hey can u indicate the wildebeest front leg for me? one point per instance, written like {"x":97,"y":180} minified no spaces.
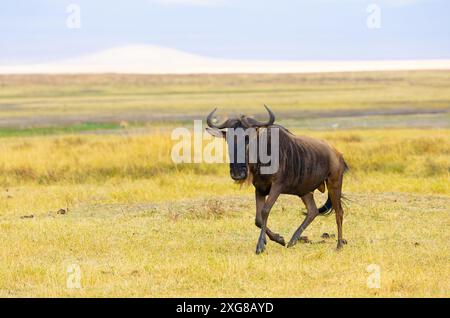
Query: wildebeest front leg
{"x":260,"y":201}
{"x":308,"y":200}
{"x":273,"y":196}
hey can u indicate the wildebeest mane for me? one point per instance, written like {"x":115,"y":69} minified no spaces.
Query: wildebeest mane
{"x":296,"y":156}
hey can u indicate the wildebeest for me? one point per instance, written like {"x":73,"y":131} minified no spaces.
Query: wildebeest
{"x":305,"y":164}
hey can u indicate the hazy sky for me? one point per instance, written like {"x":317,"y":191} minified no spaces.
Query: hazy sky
{"x":36,"y":30}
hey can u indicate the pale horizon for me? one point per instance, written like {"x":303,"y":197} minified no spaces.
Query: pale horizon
{"x":151,"y":59}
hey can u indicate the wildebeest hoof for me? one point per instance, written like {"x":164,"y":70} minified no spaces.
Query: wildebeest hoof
{"x":260,"y":248}
{"x":292,"y":242}
{"x":341,"y":243}
{"x":295,"y":240}
{"x":279,"y":239}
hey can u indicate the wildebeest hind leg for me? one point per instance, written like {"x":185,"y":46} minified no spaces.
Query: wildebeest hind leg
{"x":260,"y":200}
{"x":308,"y":200}
{"x":334,"y":185}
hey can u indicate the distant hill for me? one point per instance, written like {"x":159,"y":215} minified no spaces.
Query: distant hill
{"x":146,"y":59}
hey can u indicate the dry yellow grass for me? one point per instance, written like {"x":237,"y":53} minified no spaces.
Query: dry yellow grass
{"x":138,"y":225}
{"x":58,"y":98}
{"x":115,"y":207}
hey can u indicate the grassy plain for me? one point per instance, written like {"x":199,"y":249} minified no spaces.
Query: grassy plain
{"x":136,"y":224}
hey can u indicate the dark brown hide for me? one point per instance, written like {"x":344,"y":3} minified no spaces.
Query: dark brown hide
{"x":305,"y":164}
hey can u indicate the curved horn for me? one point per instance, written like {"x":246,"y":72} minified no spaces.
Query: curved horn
{"x":227,"y":124}
{"x":250,"y":122}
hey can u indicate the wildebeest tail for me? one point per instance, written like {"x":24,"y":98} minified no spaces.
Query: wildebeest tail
{"x":327,"y":208}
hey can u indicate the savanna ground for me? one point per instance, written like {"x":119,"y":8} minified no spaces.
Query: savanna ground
{"x":87,"y":183}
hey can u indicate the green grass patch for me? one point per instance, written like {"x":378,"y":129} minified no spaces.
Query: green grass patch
{"x":57,"y":130}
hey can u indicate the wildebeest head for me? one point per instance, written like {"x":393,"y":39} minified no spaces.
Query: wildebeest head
{"x":236,"y":133}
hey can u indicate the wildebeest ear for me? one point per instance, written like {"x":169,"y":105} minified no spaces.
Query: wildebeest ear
{"x":215,"y":132}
